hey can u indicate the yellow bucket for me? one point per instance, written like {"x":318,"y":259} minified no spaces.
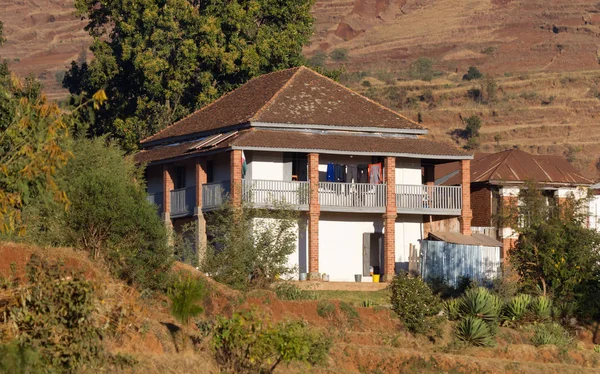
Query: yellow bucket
{"x":375,"y":278}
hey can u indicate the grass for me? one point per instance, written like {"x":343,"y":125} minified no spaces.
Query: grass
{"x":356,"y":298}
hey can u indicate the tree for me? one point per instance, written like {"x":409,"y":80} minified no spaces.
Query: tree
{"x":555,"y":250}
{"x":161,"y":59}
{"x":473,"y":127}
{"x":249,"y":247}
{"x":108,"y":215}
{"x":422,"y":69}
{"x":472,"y":73}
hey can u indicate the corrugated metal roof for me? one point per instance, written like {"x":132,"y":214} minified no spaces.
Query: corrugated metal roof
{"x":515,"y":165}
{"x":458,"y":238}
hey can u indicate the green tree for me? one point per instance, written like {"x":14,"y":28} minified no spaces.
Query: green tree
{"x":472,"y":73}
{"x":250,"y":247}
{"x":555,"y":250}
{"x":422,"y":69}
{"x":160,"y":59}
{"x":109,"y":215}
{"x":473,"y":126}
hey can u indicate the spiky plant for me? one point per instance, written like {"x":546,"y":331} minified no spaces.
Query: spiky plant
{"x":452,"y":309}
{"x":597,"y":348}
{"x":550,"y":333}
{"x":516,"y":308}
{"x":541,"y":306}
{"x":480,"y":303}
{"x":474,"y":331}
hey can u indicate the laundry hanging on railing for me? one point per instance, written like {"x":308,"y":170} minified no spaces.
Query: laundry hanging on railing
{"x":363,"y":173}
{"x":351,"y":174}
{"x":375,"y":173}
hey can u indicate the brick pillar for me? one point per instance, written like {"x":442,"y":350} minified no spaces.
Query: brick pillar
{"x":507,"y":234}
{"x":167,"y":187}
{"x":200,"y":220}
{"x":314,"y":212}
{"x":389,"y":220}
{"x":466,"y":214}
{"x":235,"y":168}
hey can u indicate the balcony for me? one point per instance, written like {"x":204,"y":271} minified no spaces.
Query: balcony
{"x":156,"y":199}
{"x":183,"y":201}
{"x":333,"y":197}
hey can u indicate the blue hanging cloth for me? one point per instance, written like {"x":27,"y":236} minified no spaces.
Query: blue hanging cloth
{"x":330,"y":173}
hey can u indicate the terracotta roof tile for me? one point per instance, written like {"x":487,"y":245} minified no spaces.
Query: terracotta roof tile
{"x":293,"y":96}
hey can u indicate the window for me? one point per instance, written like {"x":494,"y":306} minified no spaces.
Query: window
{"x":299,"y":167}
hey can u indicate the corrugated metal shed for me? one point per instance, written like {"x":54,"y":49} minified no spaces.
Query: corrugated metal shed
{"x":458,"y":238}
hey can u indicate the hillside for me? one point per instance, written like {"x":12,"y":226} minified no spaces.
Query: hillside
{"x":369,"y":340}
{"x":543,"y":55}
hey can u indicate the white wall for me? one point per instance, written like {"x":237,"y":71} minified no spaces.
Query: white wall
{"x":408,"y":231}
{"x":408,"y":171}
{"x":265,"y":165}
{"x":340,"y":243}
{"x":595,"y":213}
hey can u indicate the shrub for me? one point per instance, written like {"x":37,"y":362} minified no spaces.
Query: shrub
{"x":474,"y":331}
{"x":247,"y":343}
{"x":16,"y":358}
{"x":479,"y":302}
{"x":185,"y":294}
{"x":541,"y":306}
{"x":472,"y":73}
{"x":325,"y":309}
{"x":452,"y":309}
{"x":54,"y":316}
{"x":368,"y":303}
{"x":422,"y":69}
{"x":414,"y":303}
{"x":289,"y":291}
{"x":318,"y":59}
{"x":473,"y":126}
{"x":339,"y":54}
{"x":365,"y":83}
{"x":516,"y":308}
{"x":348,"y":310}
{"x":550,"y":333}
{"x":109,"y":215}
{"x":250,"y":247}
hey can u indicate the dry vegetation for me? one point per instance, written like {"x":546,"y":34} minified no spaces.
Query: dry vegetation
{"x":140,"y":327}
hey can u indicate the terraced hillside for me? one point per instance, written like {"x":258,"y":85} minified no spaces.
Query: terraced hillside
{"x":543,"y":55}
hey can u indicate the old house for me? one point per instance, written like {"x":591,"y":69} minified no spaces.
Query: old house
{"x":360,"y":173}
{"x":497,"y":179}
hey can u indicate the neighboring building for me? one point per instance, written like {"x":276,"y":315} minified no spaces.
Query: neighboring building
{"x":359,"y":172}
{"x":594,"y":218}
{"x":497,"y":178}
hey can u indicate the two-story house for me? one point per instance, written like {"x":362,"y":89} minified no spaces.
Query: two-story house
{"x":360,"y":173}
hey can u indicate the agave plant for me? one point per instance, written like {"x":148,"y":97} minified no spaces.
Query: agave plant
{"x":542,"y":307}
{"x":452,"y":309}
{"x":516,"y":308}
{"x":550,"y":333}
{"x":480,"y":303}
{"x":474,"y":331}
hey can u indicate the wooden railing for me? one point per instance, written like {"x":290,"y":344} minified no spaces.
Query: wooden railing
{"x":423,"y":198}
{"x":271,"y":192}
{"x":352,"y":196}
{"x":214,"y":194}
{"x":183,"y":200}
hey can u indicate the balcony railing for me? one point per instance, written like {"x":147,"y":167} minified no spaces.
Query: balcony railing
{"x":333,"y":196}
{"x":183,"y":201}
{"x":156,"y":199}
{"x":428,"y":199}
{"x":352,"y":196}
{"x":214,"y":194}
{"x":261,"y":193}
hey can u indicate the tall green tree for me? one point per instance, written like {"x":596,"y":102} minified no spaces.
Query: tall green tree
{"x":161,"y":59}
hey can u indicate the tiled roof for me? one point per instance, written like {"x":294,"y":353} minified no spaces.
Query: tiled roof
{"x":311,"y":141}
{"x":293,"y":96}
{"x":519,"y":166}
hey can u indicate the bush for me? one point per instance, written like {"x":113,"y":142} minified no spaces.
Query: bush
{"x":516,"y":308}
{"x":250,"y":247}
{"x":108,"y":215}
{"x":479,"y":302}
{"x":289,"y":291}
{"x":54,"y":316}
{"x":246,"y":343}
{"x":318,"y":59}
{"x":185,"y":294}
{"x":550,"y":333}
{"x":472,"y":73}
{"x":325,"y":309}
{"x":473,"y":126}
{"x":474,"y":331}
{"x":452,"y":309}
{"x":422,"y":69}
{"x":414,"y":303}
{"x":348,"y":310}
{"x":339,"y":54}
{"x":541,"y":306}
{"x":16,"y":358}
